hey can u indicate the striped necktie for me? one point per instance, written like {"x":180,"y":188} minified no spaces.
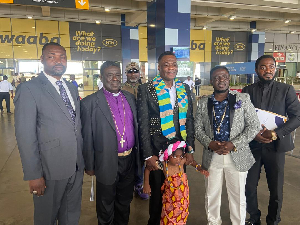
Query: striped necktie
{"x":66,"y":99}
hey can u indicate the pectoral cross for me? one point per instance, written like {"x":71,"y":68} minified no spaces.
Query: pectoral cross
{"x":122,"y":141}
{"x":218,"y":130}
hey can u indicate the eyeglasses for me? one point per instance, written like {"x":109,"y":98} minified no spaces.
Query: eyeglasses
{"x":218,"y":78}
{"x":133,"y":71}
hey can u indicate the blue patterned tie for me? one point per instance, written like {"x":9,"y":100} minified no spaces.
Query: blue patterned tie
{"x":66,"y":99}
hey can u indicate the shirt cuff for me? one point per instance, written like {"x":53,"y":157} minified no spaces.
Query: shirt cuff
{"x":148,"y":158}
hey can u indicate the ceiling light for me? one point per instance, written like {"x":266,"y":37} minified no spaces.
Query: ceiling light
{"x":204,"y":28}
{"x":152,"y":25}
{"x":253,"y":30}
{"x":107,"y":9}
{"x":29,"y":17}
{"x":287,"y":21}
{"x":292,"y":32}
{"x":33,"y":27}
{"x":97,"y":21}
{"x":232,"y":17}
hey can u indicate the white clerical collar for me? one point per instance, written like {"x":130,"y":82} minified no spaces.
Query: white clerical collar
{"x":113,"y":94}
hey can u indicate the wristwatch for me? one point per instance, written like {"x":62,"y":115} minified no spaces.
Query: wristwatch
{"x":274,"y":135}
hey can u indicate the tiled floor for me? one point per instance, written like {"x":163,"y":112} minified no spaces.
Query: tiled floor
{"x":16,"y":206}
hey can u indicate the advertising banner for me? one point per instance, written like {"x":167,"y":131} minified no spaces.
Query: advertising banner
{"x":291,"y":57}
{"x":279,"y":56}
{"x":200,"y":46}
{"x":229,"y":46}
{"x":95,"y":42}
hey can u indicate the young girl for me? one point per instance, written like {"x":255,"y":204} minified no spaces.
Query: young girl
{"x":175,"y":189}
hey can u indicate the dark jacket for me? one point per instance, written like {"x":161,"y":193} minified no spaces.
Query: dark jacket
{"x":284,"y":101}
{"x":100,"y":144}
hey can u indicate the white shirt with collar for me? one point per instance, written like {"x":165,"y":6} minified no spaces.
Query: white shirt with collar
{"x":190,"y":83}
{"x":5,"y":86}
{"x":173,"y":96}
{"x":53,"y":80}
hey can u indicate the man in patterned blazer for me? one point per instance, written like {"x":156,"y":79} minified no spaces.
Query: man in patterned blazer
{"x":165,"y":111}
{"x":225,"y":123}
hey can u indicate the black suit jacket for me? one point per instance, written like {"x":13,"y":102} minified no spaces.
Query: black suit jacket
{"x":151,"y":138}
{"x":284,"y":101}
{"x":100,"y":148}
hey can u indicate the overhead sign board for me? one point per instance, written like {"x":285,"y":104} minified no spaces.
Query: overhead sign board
{"x":241,"y":68}
{"x":6,"y":1}
{"x":79,"y":4}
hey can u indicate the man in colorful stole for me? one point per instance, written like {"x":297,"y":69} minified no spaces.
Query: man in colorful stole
{"x":165,"y":111}
{"x":225,"y":123}
{"x":110,"y":145}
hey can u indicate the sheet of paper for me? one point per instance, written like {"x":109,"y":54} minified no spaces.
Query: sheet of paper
{"x":269,"y":119}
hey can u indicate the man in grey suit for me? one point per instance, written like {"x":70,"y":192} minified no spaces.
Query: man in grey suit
{"x":48,"y":132}
{"x":111,"y":147}
{"x":225,"y":123}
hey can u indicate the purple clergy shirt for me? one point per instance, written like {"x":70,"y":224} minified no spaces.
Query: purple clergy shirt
{"x":116,"y":105}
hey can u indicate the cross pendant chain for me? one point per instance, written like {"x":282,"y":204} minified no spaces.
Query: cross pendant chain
{"x":222,"y":118}
{"x":122,"y":141}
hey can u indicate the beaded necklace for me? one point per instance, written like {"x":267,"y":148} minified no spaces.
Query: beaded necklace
{"x":180,"y":175}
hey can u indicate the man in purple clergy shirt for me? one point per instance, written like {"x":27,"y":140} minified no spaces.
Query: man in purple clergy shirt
{"x":110,"y":145}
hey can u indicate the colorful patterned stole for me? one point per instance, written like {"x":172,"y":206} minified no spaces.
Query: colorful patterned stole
{"x":165,"y":107}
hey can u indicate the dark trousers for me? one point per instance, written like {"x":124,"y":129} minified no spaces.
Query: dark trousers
{"x":61,"y":202}
{"x":5,"y":95}
{"x":197,"y":90}
{"x":113,"y":201}
{"x":156,"y":180}
{"x":274,"y":167}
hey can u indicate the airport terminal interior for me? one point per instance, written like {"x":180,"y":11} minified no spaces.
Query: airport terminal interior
{"x":201,"y":33}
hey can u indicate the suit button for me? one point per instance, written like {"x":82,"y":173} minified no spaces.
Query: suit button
{"x":76,"y":130}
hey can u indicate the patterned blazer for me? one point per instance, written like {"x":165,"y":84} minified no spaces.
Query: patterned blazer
{"x":244,"y":125}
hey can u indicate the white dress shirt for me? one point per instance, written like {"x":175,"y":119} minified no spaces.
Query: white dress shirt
{"x":53,"y":80}
{"x":173,"y":96}
{"x":5,"y":86}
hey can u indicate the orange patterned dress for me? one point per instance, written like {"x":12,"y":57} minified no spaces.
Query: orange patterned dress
{"x":175,"y":200}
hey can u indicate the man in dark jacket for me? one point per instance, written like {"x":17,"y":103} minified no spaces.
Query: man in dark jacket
{"x":269,"y":146}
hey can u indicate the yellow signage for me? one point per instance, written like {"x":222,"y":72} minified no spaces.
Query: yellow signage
{"x":21,"y":38}
{"x":200,"y":45}
{"x":6,"y":1}
{"x":82,"y":4}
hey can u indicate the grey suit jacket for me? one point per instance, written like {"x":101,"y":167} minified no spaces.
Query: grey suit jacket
{"x":100,"y":140}
{"x":50,"y":145}
{"x":244,"y":125}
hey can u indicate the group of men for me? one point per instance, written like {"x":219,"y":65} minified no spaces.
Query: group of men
{"x":112,"y":132}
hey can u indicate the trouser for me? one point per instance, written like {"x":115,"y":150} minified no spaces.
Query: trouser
{"x":235,"y":184}
{"x":60,"y":203}
{"x":156,"y":180}
{"x":274,"y":166}
{"x":6,"y":97}
{"x":113,"y":201}
{"x":139,"y":178}
{"x":197,"y":90}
